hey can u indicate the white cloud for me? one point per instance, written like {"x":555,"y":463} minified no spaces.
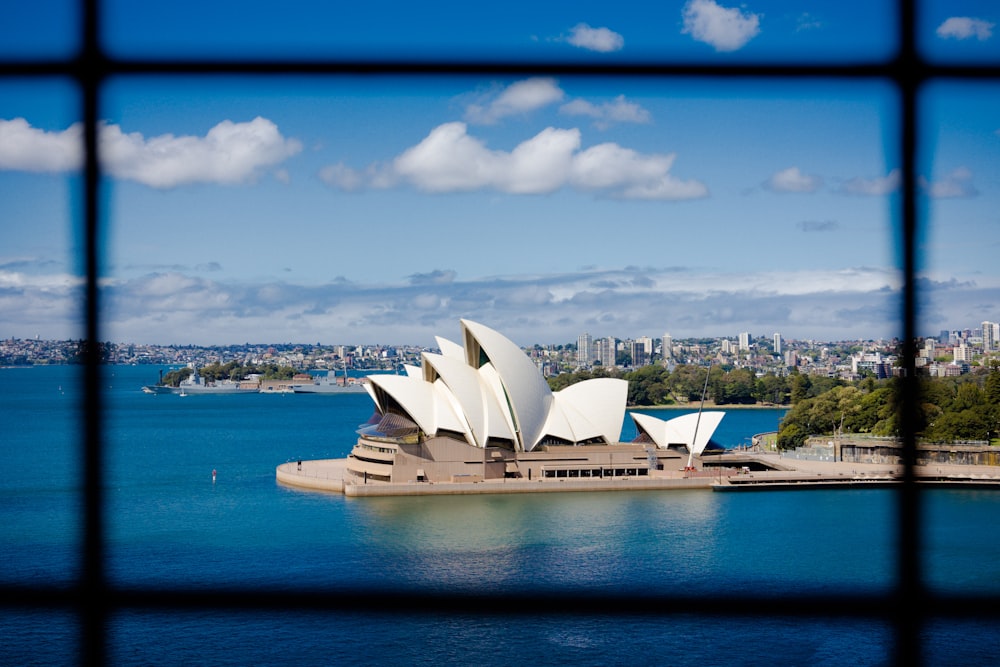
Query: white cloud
{"x":25,"y":148}
{"x":450,"y":160}
{"x":229,"y":153}
{"x":630,"y":175}
{"x":793,"y":180}
{"x":964,"y":27}
{"x":605,"y":114}
{"x":955,"y":185}
{"x":725,"y":29}
{"x":519,"y":97}
{"x":596,"y":39}
{"x":874,"y":186}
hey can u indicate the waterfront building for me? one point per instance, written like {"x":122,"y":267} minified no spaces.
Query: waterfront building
{"x":482,"y":411}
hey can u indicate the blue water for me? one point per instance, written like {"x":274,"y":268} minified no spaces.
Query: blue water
{"x":169,"y":525}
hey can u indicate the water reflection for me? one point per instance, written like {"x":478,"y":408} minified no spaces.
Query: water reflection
{"x":591,"y":540}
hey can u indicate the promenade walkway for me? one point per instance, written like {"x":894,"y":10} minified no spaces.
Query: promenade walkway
{"x":331,"y":475}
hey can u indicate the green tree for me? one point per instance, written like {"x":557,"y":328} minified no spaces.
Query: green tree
{"x":991,"y":386}
{"x":646,"y":385}
{"x":772,"y":389}
{"x":686,"y":382}
{"x":799,"y":386}
{"x":735,"y":387}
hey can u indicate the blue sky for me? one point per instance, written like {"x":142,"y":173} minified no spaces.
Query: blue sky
{"x":341,"y":210}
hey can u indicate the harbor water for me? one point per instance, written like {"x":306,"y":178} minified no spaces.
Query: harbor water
{"x":171,"y":524}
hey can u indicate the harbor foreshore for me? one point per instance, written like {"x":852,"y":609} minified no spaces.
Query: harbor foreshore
{"x":742,"y":471}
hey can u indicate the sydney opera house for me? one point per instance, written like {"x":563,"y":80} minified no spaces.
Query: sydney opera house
{"x":482,"y":411}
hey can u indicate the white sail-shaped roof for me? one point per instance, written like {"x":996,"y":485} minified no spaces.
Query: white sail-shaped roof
{"x":680,"y":430}
{"x":601,"y":401}
{"x":490,"y":390}
{"x":527,"y":392}
{"x":469,"y":391}
{"x":450,"y":349}
{"x":411,"y":393}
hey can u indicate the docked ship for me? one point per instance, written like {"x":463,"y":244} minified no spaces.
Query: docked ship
{"x":330,"y":384}
{"x":195,"y":384}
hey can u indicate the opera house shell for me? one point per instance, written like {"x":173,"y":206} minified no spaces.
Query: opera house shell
{"x":482,"y":410}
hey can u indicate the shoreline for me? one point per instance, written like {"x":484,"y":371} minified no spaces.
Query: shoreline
{"x":710,"y":406}
{"x":729,"y":472}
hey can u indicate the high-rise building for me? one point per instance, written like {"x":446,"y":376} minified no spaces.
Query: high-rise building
{"x":744,"y":341}
{"x":991,"y":335}
{"x":638,"y":350}
{"x":777,"y":343}
{"x":584,"y":350}
{"x":668,"y":347}
{"x":606,"y":350}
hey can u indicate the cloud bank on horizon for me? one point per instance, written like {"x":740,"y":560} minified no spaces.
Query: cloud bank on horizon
{"x":535,"y":142}
{"x":178,"y":307}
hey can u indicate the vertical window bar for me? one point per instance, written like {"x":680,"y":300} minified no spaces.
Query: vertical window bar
{"x":909,"y":73}
{"x":92,"y":603}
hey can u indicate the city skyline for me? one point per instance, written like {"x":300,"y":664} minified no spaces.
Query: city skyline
{"x":384,"y":210}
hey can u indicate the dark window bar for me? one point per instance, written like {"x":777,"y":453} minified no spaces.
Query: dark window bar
{"x":93,"y":599}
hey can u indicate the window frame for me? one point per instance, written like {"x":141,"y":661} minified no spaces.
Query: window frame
{"x":907,"y":608}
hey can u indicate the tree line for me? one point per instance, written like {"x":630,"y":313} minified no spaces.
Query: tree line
{"x":655,"y":385}
{"x":950,"y":409}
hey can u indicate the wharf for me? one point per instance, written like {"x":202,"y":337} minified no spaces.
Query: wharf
{"x":728,"y":472}
{"x":331,"y":475}
{"x":772,"y":471}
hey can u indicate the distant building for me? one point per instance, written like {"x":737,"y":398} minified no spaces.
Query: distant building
{"x":991,"y":335}
{"x":606,"y":350}
{"x":584,"y":350}
{"x":668,"y":347}
{"x":777,"y":343}
{"x":638,"y":351}
{"x":745,"y":341}
{"x":872,"y":362}
{"x":963,"y":353}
